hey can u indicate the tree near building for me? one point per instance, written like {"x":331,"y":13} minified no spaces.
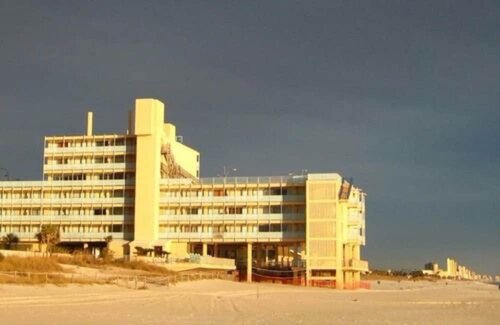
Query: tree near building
{"x":49,"y":236}
{"x":10,"y":240}
{"x":107,"y":253}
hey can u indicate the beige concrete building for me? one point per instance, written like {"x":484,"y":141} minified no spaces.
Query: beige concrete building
{"x":453,"y":271}
{"x":143,"y":188}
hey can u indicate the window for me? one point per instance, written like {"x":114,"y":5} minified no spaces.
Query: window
{"x":218,"y":192}
{"x":275,"y":228}
{"x":234,"y":210}
{"x":263,"y":228}
{"x":275,"y":209}
{"x":116,"y":228}
{"x":276,"y":191}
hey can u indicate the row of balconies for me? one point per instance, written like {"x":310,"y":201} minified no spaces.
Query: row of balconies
{"x":75,"y":200}
{"x":163,"y":218}
{"x":75,"y":236}
{"x":234,"y":199}
{"x":233,"y":236}
{"x":355,"y":219}
{"x":235,"y":217}
{"x":260,"y":180}
{"x":94,"y":149}
{"x":88,"y":167}
{"x":278,"y":217}
{"x":47,"y":185}
{"x":356,"y":265}
{"x":66,"y":218}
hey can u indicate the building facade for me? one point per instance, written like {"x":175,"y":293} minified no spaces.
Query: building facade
{"x":143,"y":189}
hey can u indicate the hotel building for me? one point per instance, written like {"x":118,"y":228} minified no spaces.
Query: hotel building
{"x":143,"y":188}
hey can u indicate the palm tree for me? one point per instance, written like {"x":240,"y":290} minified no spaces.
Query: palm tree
{"x":106,"y":253}
{"x":10,"y":240}
{"x":48,"y":235}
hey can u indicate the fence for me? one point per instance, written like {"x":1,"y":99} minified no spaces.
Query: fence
{"x":133,"y":282}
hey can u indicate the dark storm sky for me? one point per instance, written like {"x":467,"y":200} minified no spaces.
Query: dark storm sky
{"x":401,"y":95}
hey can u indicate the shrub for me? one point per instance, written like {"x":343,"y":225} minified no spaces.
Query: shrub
{"x":29,"y":264}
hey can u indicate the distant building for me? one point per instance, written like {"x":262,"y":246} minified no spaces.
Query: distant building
{"x":453,"y":271}
{"x":144,"y":189}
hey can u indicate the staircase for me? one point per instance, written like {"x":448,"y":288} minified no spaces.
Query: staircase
{"x":169,"y":167}
{"x":345,"y":189}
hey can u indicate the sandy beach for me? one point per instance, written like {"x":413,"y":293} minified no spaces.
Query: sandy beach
{"x":225,"y":302}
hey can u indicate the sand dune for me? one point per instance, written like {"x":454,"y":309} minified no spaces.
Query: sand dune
{"x":224,"y":302}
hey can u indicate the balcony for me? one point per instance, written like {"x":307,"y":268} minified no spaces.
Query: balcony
{"x":357,"y":265}
{"x":355,"y":219}
{"x":108,"y":149}
{"x":67,"y":201}
{"x":233,"y":236}
{"x":65,"y":218}
{"x":88,"y":167}
{"x":285,"y":180}
{"x":74,"y":236}
{"x":233,"y":199}
{"x":91,"y":236}
{"x":280,"y":217}
{"x":96,"y":182}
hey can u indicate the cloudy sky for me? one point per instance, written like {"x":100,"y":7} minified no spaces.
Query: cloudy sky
{"x":402,"y":96}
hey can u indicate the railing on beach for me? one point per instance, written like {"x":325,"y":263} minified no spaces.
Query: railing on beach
{"x":132,"y":282}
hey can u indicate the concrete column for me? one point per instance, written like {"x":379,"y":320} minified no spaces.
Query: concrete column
{"x":356,"y":255}
{"x":295,"y":260}
{"x":339,"y":281}
{"x":216,"y":250}
{"x":266,"y":248}
{"x":356,"y":252}
{"x":249,"y":262}
{"x":205,"y":249}
{"x":356,"y":279}
{"x":259,"y":255}
{"x":276,"y":261}
{"x":348,"y":280}
{"x":348,"y":253}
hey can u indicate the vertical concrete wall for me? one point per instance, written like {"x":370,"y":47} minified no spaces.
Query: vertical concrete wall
{"x":185,"y":156}
{"x":148,"y":127}
{"x":323,"y":246}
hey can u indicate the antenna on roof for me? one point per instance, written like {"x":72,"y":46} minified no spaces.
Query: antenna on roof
{"x":90,"y":123}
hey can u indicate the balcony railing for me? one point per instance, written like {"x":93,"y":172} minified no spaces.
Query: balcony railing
{"x":115,"y":149}
{"x":355,"y":218}
{"x":232,"y":236}
{"x":91,"y":236}
{"x":233,"y":199}
{"x":36,"y":185}
{"x":235,"y":217}
{"x":73,"y":236}
{"x":66,"y":218}
{"x":74,"y":200}
{"x":94,"y":166}
{"x":359,"y":265}
{"x":97,"y":182}
{"x":285,"y":180}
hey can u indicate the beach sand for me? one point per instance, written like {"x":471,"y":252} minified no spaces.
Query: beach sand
{"x":225,"y":302}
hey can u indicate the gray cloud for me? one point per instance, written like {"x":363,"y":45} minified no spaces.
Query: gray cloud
{"x":402,"y":96}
